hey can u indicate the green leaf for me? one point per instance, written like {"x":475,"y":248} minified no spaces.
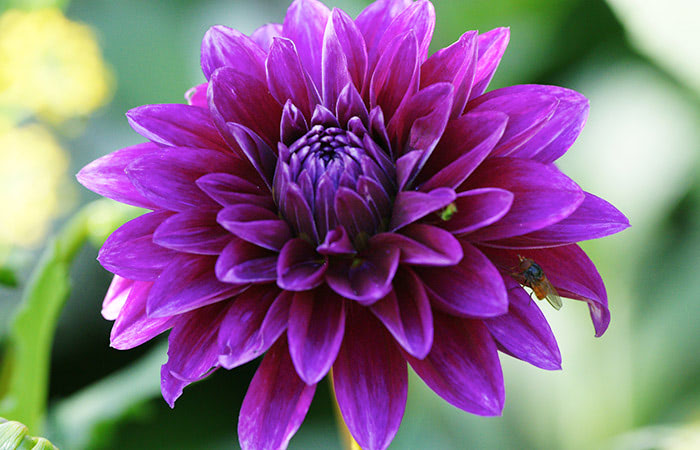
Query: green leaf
{"x":7,"y":277}
{"x":13,"y":436}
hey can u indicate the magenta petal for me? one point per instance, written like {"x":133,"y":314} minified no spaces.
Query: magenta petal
{"x":595,"y":218}
{"x":406,"y":313}
{"x":130,"y":251}
{"x":396,"y":74}
{"x":255,"y":320}
{"x":187,"y":283}
{"x":133,"y":327}
{"x":542,"y":196}
{"x":374,"y":20}
{"x":276,"y":402}
{"x":223,"y":46}
{"x":419,"y":18}
{"x":264,"y":35}
{"x":407,"y":167}
{"x":528,"y":113}
{"x":491,"y":47}
{"x":176,"y":125}
{"x":227,"y":190}
{"x":410,"y":206}
{"x":571,"y":273}
{"x":316,"y":327}
{"x":192,"y":350}
{"x":524,"y":332}
{"x":197,"y":95}
{"x":423,"y":245}
{"x":367,"y":277}
{"x":258,"y":152}
{"x":242,"y":262}
{"x":305,"y":24}
{"x":334,"y":66}
{"x":193,"y":231}
{"x":116,"y":296}
{"x":256,"y":225}
{"x":466,"y":142}
{"x":371,"y":382}
{"x":478,"y":208}
{"x":353,"y":212}
{"x":560,"y":132}
{"x":455,"y":64}
{"x":463,"y":367}
{"x":168,"y":177}
{"x":107,"y":176}
{"x":352,"y":45}
{"x":287,"y":79}
{"x":299,"y":267}
{"x":336,"y":242}
{"x":472,"y":288}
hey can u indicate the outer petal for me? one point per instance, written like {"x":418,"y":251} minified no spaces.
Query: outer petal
{"x":223,"y":46}
{"x":259,"y":154}
{"x":491,"y":47}
{"x":197,"y":95}
{"x":243,"y":262}
{"x":352,"y":45}
{"x":316,"y":327}
{"x":410,"y":206}
{"x":116,"y":296}
{"x":524,"y":332}
{"x":288,"y":79}
{"x":370,"y":381}
{"x":396,"y":75}
{"x":193,"y":231}
{"x":276,"y":403}
{"x":299,"y":267}
{"x":227,"y":189}
{"x":176,"y":125}
{"x":570,"y":271}
{"x":418,"y":18}
{"x":463,"y":367}
{"x":131,"y":252}
{"x":305,"y":24}
{"x":107,"y":176}
{"x":422,"y":245}
{"x":542,"y":196}
{"x":187,"y":283}
{"x":256,"y":225}
{"x":406,"y":313}
{"x":478,"y":208}
{"x":472,"y":288}
{"x":374,"y":20}
{"x":264,"y":35}
{"x":255,"y":320}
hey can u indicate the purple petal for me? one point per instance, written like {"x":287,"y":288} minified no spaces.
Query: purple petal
{"x":264,"y":35}
{"x":423,"y":245}
{"x":258,"y":152}
{"x":352,"y":45}
{"x":305,"y":24}
{"x":292,"y":125}
{"x":396,"y":75}
{"x":287,"y":78}
{"x":197,"y":95}
{"x":419,"y":18}
{"x":410,"y":206}
{"x":349,"y":105}
{"x":371,"y":382}
{"x":187,"y":283}
{"x":472,"y":288}
{"x":256,"y":225}
{"x":116,"y":296}
{"x":223,"y":46}
{"x":106,"y":176}
{"x":462,"y":366}
{"x":130,"y":251}
{"x":241,"y":262}
{"x":491,"y":47}
{"x":455,"y":64}
{"x":367,"y":277}
{"x":193,"y":231}
{"x":406,"y":167}
{"x":336,"y":242}
{"x":335,"y":74}
{"x":570,"y":271}
{"x":466,"y":142}
{"x":524,"y":332}
{"x":133,"y":327}
{"x":243,"y":99}
{"x":353,"y":212}
{"x":299,"y":267}
{"x":276,"y":402}
{"x":255,"y":320}
{"x":595,"y":218}
{"x":478,"y":208}
{"x":168,"y":178}
{"x":542,"y":196}
{"x":297,"y":211}
{"x":192,"y":350}
{"x":374,"y":20}
{"x":316,"y":327}
{"x":555,"y":138}
{"x":227,"y":189}
{"x":176,"y":125}
{"x":406,"y":313}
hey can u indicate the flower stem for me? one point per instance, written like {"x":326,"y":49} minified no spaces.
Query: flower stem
{"x":348,"y":442}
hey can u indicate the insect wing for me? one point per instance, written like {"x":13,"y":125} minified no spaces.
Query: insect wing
{"x":551,"y":294}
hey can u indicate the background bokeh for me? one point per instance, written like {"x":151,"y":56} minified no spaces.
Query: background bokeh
{"x":69,"y":70}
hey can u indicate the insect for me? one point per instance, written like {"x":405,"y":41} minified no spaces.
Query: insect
{"x":530,"y":274}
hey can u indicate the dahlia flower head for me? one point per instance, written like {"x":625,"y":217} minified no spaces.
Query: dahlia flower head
{"x":334,"y":197}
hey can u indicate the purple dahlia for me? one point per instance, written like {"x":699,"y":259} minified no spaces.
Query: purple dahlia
{"x":335,"y":198}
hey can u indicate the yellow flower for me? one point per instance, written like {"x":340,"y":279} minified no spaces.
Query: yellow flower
{"x":51,"y":66}
{"x":32,"y":183}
